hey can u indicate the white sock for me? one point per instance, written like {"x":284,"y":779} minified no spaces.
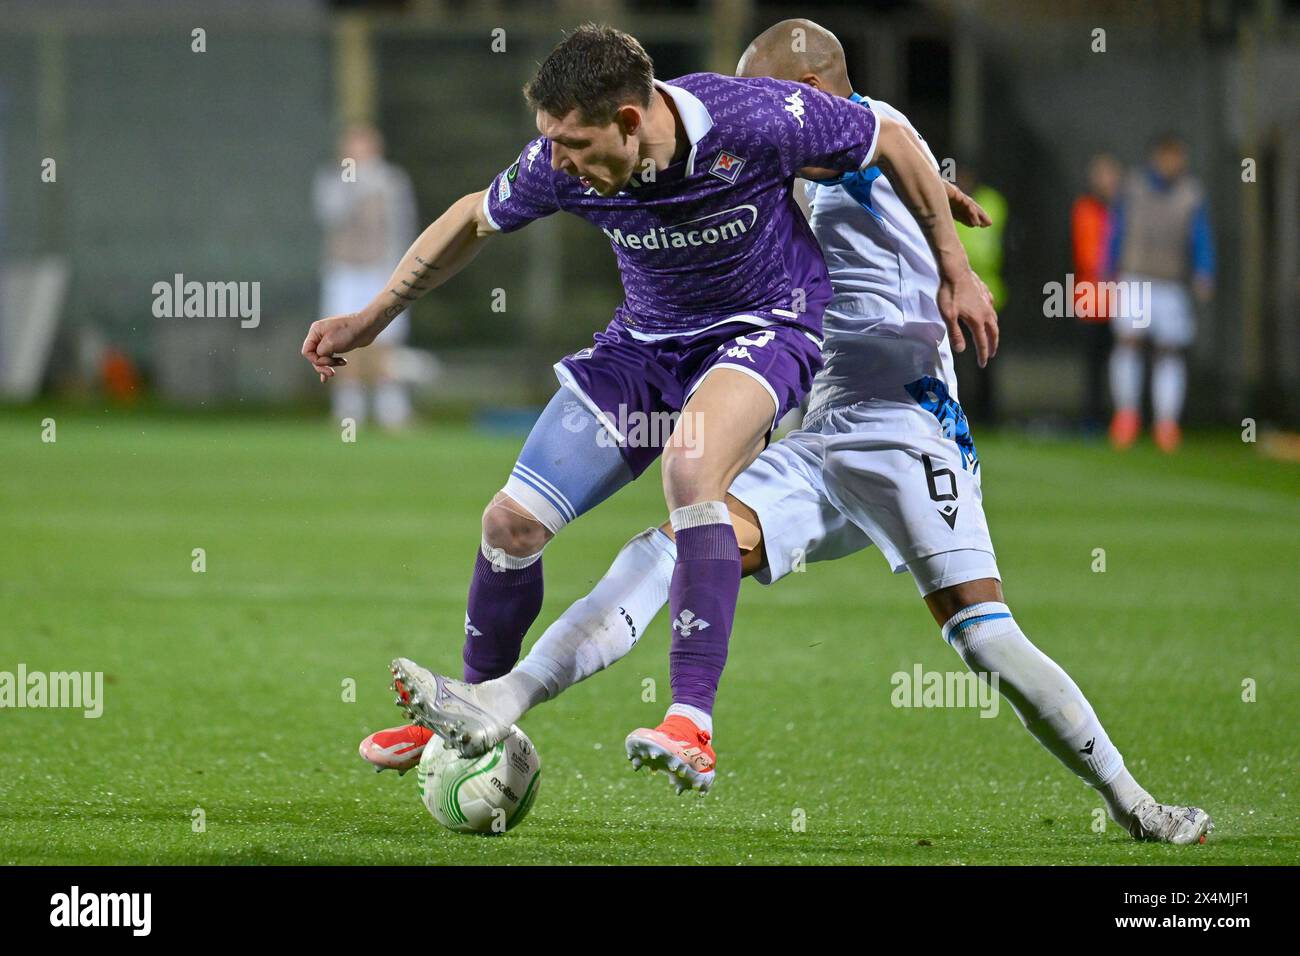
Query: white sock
{"x":511,"y":695}
{"x":696,"y":716}
{"x":348,"y":400}
{"x":1046,"y":700}
{"x":1168,"y":387}
{"x":392,"y":404}
{"x":595,"y":631}
{"x":1126,"y":376}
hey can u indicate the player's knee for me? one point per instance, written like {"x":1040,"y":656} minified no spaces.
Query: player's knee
{"x":688,"y":478}
{"x":509,"y":526}
{"x":945,"y":603}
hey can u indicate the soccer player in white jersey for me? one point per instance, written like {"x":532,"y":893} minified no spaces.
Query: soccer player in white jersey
{"x":884,"y":457}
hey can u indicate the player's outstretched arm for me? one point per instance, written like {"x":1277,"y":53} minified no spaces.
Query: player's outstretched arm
{"x":917,"y":182}
{"x":441,"y":251}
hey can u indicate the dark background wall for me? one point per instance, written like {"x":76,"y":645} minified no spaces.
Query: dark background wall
{"x":171,"y":161}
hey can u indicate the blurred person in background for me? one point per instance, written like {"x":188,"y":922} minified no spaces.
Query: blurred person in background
{"x":1089,"y":239}
{"x":1160,"y":234}
{"x":368,"y":220}
{"x":985,"y":248}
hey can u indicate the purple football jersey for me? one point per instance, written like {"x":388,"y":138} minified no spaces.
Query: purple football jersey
{"x":717,"y":236}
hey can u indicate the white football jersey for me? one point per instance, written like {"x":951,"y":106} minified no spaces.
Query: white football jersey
{"x":883,"y":329}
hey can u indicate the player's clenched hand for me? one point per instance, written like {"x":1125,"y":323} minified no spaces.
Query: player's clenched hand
{"x":328,"y":337}
{"x":966,"y":210}
{"x":966,"y":300}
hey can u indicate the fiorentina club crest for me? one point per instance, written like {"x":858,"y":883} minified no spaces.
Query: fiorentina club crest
{"x":726,"y":167}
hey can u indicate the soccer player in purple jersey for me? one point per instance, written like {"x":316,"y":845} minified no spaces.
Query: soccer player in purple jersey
{"x":725,"y":289}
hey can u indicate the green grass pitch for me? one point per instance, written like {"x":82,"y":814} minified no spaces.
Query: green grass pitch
{"x":225,"y":689}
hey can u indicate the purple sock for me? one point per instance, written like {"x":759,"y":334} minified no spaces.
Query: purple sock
{"x":503,"y":603}
{"x":702,"y":596}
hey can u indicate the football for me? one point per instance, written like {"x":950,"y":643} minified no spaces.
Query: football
{"x":487,"y":794}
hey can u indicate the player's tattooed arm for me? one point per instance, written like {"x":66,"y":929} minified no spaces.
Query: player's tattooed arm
{"x":961,"y":299}
{"x":442,"y":250}
{"x":446,"y":247}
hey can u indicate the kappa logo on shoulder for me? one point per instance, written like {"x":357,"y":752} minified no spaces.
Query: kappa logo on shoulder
{"x":794,"y":106}
{"x":726,"y":166}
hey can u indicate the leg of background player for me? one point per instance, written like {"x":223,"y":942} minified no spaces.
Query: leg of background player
{"x":392,"y":405}
{"x":1126,"y":391}
{"x":980,"y":628}
{"x":1097,"y":349}
{"x":1168,"y":389}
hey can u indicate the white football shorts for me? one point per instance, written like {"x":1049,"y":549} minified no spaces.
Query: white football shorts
{"x":879,"y":472}
{"x":1167,"y":316}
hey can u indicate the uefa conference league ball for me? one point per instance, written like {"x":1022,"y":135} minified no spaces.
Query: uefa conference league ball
{"x":488,"y":794}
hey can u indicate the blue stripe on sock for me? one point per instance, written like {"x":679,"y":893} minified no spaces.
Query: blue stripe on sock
{"x":977,"y":619}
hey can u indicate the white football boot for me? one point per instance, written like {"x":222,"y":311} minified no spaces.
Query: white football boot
{"x":448,"y":707}
{"x":1179,"y":825}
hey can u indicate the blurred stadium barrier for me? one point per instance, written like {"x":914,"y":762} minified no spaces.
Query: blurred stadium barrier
{"x":31,"y":299}
{"x":171,"y":161}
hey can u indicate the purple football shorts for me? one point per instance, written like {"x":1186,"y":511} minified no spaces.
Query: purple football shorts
{"x":628,"y":383}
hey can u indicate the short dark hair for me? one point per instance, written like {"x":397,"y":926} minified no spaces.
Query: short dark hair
{"x":595,"y":70}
